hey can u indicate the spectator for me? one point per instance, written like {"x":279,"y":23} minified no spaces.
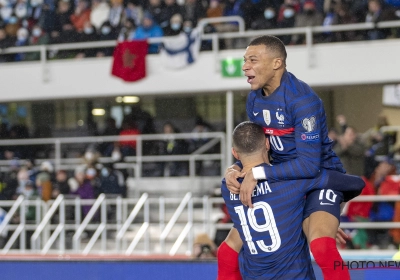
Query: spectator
{"x":204,"y":247}
{"x":10,"y":182}
{"x":376,"y":14}
{"x":345,"y":16}
{"x":155,"y":9}
{"x":149,"y":29}
{"x":48,"y":18}
{"x":128,"y":147}
{"x":111,"y":181}
{"x":383,"y":211}
{"x":175,"y":26}
{"x":351,"y":151}
{"x":81,"y":186}
{"x":127,"y":31}
{"x":253,"y":9}
{"x":193,"y":11}
{"x":38,"y":37}
{"x":81,"y":15}
{"x":133,"y":11}
{"x":171,"y":8}
{"x":21,"y":9}
{"x":172,"y":146}
{"x":99,"y":14}
{"x":107,"y":32}
{"x":44,"y":180}
{"x":286,"y":18}
{"x":61,"y":184}
{"x":265,"y":21}
{"x":116,"y":10}
{"x":308,"y":17}
{"x":87,"y":35}
{"x":359,"y":212}
{"x":5,"y":42}
{"x":22,"y":40}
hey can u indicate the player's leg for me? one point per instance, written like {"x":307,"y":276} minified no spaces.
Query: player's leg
{"x":228,"y":257}
{"x":322,"y":211}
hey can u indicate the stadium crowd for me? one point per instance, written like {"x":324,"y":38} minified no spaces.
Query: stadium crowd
{"x":36,"y":22}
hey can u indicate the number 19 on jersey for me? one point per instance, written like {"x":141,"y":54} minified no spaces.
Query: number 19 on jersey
{"x":268,"y":227}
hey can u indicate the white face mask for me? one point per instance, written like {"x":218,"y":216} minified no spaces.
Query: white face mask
{"x":175,"y":26}
{"x":187,"y":29}
{"x":27,"y":193}
{"x":288,"y":13}
{"x":268,"y":14}
{"x":105,"y":30}
{"x":35,"y":3}
{"x":88,"y":30}
{"x":36,"y":32}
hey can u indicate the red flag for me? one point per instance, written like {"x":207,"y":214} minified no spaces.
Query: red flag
{"x":130,"y":60}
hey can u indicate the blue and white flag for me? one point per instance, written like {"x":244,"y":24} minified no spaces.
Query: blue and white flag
{"x":181,"y":50}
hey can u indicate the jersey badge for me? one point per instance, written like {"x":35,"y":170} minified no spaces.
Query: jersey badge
{"x":309,"y":124}
{"x":267,"y":116}
{"x":280,"y":118}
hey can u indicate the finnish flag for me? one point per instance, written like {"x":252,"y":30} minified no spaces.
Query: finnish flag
{"x":181,"y":50}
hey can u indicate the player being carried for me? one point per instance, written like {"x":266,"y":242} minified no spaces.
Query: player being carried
{"x":293,"y":117}
{"x":274,"y":246}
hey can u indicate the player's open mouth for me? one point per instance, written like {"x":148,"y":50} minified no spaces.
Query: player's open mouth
{"x":250,"y":79}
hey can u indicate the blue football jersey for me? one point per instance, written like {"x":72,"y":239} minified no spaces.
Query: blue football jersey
{"x":274,"y":245}
{"x":294,"y":118}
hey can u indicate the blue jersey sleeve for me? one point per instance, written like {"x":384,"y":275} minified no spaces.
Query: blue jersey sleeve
{"x":308,"y":115}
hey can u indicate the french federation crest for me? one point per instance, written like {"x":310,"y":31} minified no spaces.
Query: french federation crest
{"x":280,"y":118}
{"x":309,"y":123}
{"x":267,"y":116}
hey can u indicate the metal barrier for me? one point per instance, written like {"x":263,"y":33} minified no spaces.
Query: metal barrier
{"x":143,"y":231}
{"x":133,"y":162}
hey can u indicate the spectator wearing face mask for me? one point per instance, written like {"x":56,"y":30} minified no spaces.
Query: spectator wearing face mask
{"x":88,"y":34}
{"x":286,"y":17}
{"x":308,"y":17}
{"x":22,"y":40}
{"x":107,"y":32}
{"x":175,"y":26}
{"x":266,"y":21}
{"x":38,"y":37}
{"x":81,"y":15}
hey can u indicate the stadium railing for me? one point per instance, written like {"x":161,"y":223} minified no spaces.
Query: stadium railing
{"x":148,"y":225}
{"x":131,"y":162}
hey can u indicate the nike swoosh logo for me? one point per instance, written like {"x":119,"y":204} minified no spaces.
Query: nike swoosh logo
{"x":255,"y":114}
{"x":322,"y":203}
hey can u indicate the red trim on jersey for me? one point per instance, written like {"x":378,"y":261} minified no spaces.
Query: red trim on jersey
{"x":277,"y":131}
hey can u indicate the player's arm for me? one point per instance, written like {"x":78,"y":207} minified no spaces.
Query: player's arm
{"x":309,"y":111}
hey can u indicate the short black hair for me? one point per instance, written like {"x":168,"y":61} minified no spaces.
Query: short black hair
{"x":273,"y":44}
{"x":248,"y":138}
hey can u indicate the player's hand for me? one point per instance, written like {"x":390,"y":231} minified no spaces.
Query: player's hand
{"x":341,"y":237}
{"x":231,"y":176}
{"x":247,"y":189}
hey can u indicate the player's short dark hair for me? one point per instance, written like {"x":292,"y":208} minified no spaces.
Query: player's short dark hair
{"x":248,"y":138}
{"x":273,"y":44}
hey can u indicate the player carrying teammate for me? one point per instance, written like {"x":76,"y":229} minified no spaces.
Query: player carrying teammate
{"x":293,"y":116}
